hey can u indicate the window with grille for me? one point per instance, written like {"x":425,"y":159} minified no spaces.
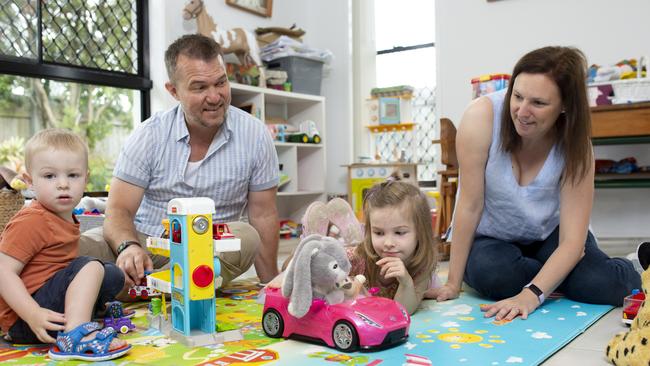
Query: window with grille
{"x":76,"y":64}
{"x":404,"y":34}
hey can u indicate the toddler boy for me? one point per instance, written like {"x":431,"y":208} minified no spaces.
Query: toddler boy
{"x":44,"y":286}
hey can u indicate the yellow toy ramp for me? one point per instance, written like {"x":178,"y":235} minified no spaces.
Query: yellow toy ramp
{"x":161,"y":281}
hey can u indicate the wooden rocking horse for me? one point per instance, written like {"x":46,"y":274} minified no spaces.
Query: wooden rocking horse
{"x":237,"y":40}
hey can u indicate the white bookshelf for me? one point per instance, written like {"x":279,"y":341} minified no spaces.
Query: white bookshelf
{"x":304,"y":163}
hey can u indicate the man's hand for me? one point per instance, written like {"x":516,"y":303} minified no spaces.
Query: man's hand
{"x":134,"y":260}
{"x":522,"y":304}
{"x":393,"y":267}
{"x":42,"y":320}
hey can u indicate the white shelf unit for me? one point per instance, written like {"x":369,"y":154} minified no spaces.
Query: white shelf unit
{"x":304,"y":163}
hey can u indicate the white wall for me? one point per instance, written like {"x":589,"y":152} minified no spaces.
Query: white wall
{"x":475,"y":37}
{"x":327,"y":25}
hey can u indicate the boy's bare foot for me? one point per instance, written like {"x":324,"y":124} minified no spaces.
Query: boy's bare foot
{"x":116,"y":343}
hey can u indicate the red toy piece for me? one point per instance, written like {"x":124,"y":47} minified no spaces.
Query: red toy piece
{"x":221,"y":231}
{"x":631,"y":305}
{"x":143,"y":291}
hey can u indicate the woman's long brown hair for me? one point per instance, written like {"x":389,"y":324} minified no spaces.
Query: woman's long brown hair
{"x":567,"y":66}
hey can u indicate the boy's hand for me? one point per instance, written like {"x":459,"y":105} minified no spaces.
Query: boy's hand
{"x":134,"y":260}
{"x":43,"y":320}
{"x":393,"y":267}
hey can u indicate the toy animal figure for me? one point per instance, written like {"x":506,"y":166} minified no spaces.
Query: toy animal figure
{"x":354,"y":287}
{"x":633,"y":347}
{"x":318,"y":269}
{"x":237,"y":40}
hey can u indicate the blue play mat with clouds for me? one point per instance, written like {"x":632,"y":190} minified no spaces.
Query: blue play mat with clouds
{"x":456,"y":333}
{"x":448,"y":333}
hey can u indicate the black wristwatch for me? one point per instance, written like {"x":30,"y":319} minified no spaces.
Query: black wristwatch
{"x":125,"y":244}
{"x":537,"y":291}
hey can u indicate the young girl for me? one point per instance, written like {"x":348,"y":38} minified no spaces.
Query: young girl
{"x":397,"y":254}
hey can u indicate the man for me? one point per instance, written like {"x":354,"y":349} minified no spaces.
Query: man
{"x":201,"y":148}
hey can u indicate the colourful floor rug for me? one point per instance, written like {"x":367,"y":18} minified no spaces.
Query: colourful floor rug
{"x":449,"y":333}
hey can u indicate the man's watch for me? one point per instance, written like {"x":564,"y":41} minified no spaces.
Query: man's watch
{"x":536,"y":290}
{"x":125,"y":244}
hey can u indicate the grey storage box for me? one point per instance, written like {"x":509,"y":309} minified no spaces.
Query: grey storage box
{"x":304,"y":74}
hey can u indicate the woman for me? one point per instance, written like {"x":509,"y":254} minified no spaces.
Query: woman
{"x":521,"y":223}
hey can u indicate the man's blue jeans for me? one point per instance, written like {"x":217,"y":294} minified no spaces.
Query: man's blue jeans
{"x":499,"y":269}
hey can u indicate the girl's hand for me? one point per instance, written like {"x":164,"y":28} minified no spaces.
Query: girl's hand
{"x":43,"y":320}
{"x":393,"y":267}
{"x":522,"y":304}
{"x":276,"y":282}
{"x":446,"y":292}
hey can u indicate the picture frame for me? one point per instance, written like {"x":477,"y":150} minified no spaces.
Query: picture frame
{"x":263,"y":8}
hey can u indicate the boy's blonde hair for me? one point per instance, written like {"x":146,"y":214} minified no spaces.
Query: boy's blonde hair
{"x":395,"y":193}
{"x":56,"y":139}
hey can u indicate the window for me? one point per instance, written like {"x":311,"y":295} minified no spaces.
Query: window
{"x":76,"y":64}
{"x":404,"y":36}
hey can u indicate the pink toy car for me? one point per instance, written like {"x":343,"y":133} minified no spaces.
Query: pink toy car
{"x":366,"y":323}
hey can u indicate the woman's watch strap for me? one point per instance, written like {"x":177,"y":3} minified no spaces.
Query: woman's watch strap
{"x":125,"y":244}
{"x":536,"y":290}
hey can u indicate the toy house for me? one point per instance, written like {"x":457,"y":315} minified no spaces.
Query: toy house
{"x":194,"y":271}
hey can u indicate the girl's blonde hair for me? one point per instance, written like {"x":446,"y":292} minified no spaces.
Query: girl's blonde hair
{"x":394,"y":193}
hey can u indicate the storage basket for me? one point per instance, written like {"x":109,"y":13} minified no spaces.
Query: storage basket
{"x":629,"y":90}
{"x":304,"y":74}
{"x":10,"y":203}
{"x":87,"y":222}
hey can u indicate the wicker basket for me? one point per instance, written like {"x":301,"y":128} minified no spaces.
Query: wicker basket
{"x":10,"y":203}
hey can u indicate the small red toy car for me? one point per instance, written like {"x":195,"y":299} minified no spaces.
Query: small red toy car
{"x":631,"y":305}
{"x":142,"y":290}
{"x":221,"y":231}
{"x":365,"y":323}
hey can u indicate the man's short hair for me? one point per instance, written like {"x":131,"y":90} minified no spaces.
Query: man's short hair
{"x":194,"y":46}
{"x":56,"y":139}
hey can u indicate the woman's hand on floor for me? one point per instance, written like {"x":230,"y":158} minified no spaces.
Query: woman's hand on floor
{"x":443,"y":293}
{"x":520,"y":305}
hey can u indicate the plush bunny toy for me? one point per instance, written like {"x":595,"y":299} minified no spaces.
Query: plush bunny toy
{"x":317,"y":270}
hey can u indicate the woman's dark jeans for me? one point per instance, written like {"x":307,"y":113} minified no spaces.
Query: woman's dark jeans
{"x":499,"y":269}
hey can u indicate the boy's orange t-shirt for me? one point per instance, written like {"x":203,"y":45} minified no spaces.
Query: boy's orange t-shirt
{"x":44,"y":242}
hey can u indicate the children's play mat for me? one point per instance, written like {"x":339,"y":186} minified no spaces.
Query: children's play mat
{"x":449,"y":333}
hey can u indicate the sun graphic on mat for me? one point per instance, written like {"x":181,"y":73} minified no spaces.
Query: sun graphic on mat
{"x":458,"y":338}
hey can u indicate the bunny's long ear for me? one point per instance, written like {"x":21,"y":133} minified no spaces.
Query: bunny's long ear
{"x":287,"y":281}
{"x":301,"y":296}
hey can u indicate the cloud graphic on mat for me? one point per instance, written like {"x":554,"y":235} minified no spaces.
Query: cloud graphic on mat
{"x":462,"y":309}
{"x":409,"y":346}
{"x":581,"y":313}
{"x":541,"y":335}
{"x":576,"y":306}
{"x":560,"y":319}
{"x":544,"y":311}
{"x":449,"y":324}
{"x":514,"y":359}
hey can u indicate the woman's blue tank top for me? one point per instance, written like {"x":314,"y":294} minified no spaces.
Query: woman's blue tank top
{"x":512,"y":212}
